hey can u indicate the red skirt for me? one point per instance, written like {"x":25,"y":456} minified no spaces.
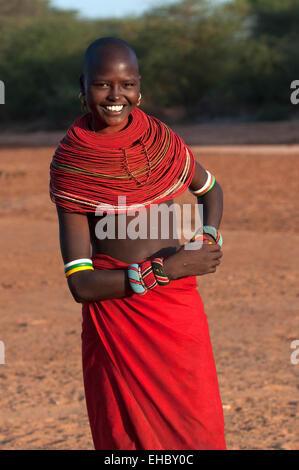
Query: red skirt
{"x":149,"y":373}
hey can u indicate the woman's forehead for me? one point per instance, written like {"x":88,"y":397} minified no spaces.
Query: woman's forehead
{"x":110,"y":58}
{"x":105,"y":69}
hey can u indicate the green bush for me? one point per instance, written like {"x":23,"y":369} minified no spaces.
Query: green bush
{"x":210,"y":59}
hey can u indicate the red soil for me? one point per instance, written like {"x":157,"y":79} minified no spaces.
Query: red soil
{"x":251,"y":302}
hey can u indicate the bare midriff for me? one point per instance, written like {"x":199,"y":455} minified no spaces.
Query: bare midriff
{"x":122,"y":247}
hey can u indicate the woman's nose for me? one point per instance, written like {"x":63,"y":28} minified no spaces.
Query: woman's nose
{"x":114,"y":92}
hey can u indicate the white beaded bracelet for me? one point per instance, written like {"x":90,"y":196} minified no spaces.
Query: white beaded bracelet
{"x":76,"y":261}
{"x":206,"y":187}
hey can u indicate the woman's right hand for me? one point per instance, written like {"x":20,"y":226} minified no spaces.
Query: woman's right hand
{"x":193,"y":262}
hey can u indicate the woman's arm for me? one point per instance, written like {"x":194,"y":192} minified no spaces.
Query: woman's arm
{"x":212,"y":201}
{"x":206,"y":259}
{"x":87,"y":286}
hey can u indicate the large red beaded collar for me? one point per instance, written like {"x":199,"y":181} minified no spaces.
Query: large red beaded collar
{"x":146,"y":162}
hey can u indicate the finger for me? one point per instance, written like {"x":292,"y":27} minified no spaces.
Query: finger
{"x":214,"y":247}
{"x":215,"y":263}
{"x":212,"y":270}
{"x":217,"y":255}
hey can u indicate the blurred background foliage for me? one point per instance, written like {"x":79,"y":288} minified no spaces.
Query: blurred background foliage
{"x":201,"y":61}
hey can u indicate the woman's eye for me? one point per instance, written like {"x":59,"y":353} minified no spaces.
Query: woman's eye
{"x":129,"y":84}
{"x":101,"y":85}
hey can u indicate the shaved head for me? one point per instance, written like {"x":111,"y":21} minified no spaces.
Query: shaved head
{"x":110,"y":83}
{"x":109,"y":49}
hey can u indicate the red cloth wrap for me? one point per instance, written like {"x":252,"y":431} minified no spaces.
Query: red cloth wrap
{"x":149,"y":373}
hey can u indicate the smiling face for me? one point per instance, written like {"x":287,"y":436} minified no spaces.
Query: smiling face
{"x":111,"y":84}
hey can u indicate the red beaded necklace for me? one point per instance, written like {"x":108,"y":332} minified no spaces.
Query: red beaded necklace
{"x":90,"y":170}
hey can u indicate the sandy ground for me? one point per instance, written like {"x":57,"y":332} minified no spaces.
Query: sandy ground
{"x":252,"y":304}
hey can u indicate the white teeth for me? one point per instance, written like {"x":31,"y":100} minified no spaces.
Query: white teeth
{"x":114,"y":108}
